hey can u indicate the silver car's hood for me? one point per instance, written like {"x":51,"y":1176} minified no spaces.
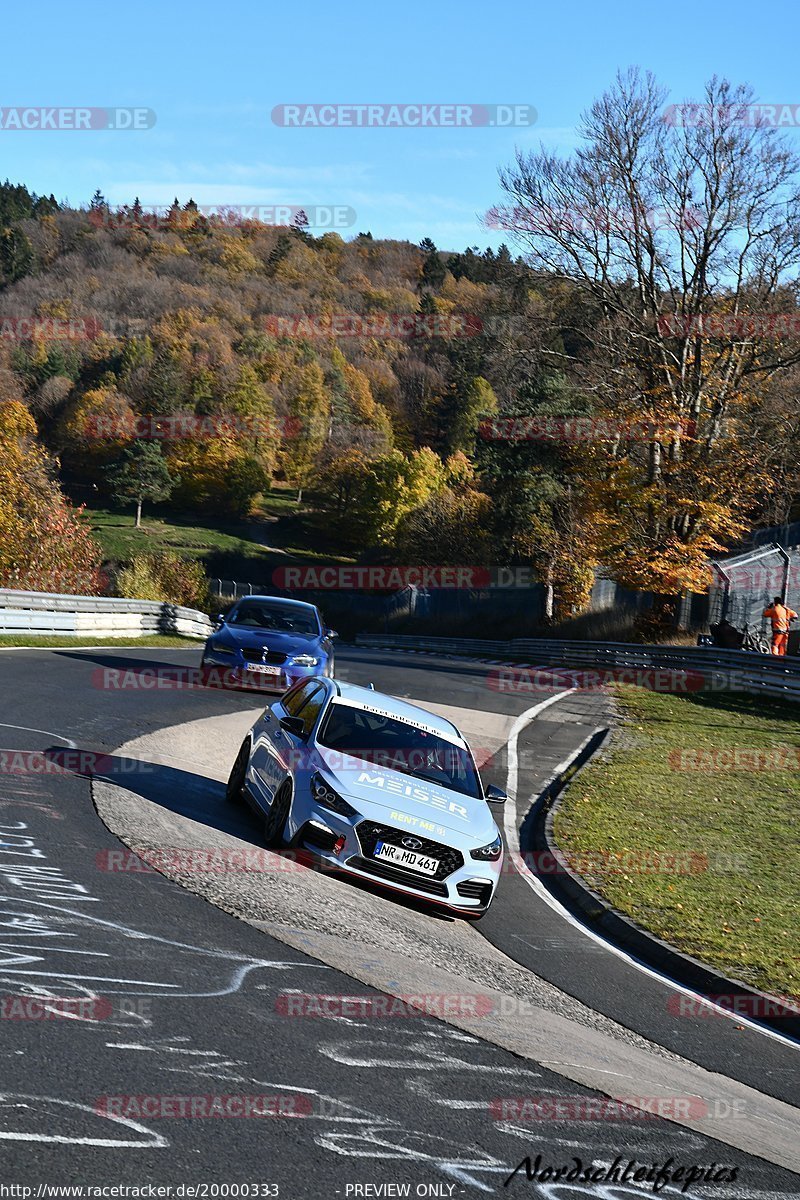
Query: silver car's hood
{"x":368,"y":786}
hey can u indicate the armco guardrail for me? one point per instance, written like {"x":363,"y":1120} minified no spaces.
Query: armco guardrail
{"x":724,"y":670}
{"x":43,"y":613}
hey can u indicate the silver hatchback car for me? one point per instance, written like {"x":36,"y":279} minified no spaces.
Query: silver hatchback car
{"x":377,"y":788}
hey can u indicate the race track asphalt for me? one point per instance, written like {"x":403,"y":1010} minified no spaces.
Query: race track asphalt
{"x":189,"y":1002}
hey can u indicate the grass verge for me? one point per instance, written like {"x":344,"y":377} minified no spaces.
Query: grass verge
{"x":739,"y":912}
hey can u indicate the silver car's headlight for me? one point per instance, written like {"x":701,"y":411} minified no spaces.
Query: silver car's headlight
{"x":489,"y":853}
{"x":328,"y":798}
{"x":304,"y":660}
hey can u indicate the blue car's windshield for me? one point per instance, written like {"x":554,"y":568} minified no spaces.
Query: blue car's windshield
{"x":400,"y":747}
{"x":282,"y":618}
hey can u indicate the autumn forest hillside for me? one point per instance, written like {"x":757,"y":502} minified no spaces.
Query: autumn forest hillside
{"x":518,"y":406}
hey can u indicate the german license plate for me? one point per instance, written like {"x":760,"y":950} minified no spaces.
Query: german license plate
{"x":407,"y":858}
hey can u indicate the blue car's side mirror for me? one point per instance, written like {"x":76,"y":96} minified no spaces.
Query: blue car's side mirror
{"x":331,"y":633}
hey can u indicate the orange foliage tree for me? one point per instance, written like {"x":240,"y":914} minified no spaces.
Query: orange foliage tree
{"x":44,"y":546}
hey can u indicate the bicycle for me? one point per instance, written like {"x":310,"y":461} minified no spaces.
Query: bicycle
{"x":756,"y":640}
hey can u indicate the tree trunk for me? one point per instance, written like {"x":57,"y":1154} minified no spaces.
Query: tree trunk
{"x":138,"y":514}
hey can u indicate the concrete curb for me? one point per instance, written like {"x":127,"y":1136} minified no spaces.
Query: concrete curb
{"x":537,"y":836}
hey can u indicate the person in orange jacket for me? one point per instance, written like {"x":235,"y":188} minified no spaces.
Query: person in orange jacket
{"x":780,"y":615}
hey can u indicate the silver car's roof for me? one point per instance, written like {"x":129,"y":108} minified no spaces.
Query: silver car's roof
{"x":390,"y":706}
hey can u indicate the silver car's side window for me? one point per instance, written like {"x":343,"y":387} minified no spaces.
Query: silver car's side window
{"x":311,"y":709}
{"x":296,"y":700}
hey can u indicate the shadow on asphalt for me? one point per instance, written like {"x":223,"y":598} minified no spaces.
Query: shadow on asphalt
{"x":130,"y":662}
{"x":121,"y":672}
{"x":422,"y":664}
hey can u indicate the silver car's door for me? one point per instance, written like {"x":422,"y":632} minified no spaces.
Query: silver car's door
{"x":274,"y":752}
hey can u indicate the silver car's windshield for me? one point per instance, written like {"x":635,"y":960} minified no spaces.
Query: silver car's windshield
{"x":399,"y":746}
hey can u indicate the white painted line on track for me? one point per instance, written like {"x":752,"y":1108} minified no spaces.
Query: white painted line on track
{"x":46,"y":732}
{"x":514,"y":850}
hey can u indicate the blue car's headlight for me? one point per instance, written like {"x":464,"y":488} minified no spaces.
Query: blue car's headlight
{"x":304,"y":660}
{"x":217,"y":648}
{"x":489,"y":853}
{"x":325,"y":795}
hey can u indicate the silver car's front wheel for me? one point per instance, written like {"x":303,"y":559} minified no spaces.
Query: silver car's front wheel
{"x":277,"y":816}
{"x":234,"y":792}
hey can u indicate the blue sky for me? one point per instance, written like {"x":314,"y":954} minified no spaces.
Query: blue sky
{"x":213,"y":73}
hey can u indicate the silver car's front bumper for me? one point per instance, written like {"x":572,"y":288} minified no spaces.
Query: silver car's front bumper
{"x":345,"y":844}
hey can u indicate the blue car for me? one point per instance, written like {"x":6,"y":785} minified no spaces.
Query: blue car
{"x":268,"y":643}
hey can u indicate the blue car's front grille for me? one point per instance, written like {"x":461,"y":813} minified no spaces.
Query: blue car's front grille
{"x":257,"y":655}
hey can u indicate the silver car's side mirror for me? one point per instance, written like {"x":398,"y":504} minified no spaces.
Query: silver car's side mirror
{"x":293,"y":725}
{"x":495,"y":795}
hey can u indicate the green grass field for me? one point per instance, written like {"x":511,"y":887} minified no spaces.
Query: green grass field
{"x":651,"y":796}
{"x":121,"y":540}
{"x":247,"y":550}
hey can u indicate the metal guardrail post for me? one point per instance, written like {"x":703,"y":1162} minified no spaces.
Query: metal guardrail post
{"x":786,"y":567}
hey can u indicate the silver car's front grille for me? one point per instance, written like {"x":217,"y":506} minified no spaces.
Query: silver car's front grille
{"x":394,"y":874}
{"x":369,"y":834}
